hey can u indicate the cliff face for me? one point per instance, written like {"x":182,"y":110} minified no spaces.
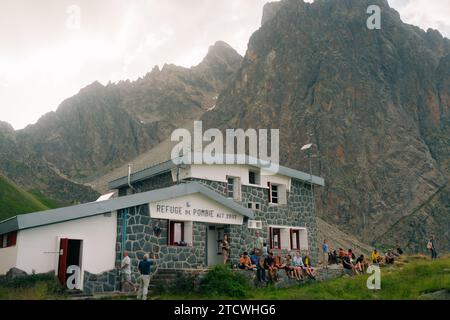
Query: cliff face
{"x":103,"y":127}
{"x":376,"y":103}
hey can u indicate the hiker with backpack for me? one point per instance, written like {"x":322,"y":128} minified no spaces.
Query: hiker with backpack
{"x":431,"y":245}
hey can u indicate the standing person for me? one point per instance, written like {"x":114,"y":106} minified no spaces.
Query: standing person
{"x":144,"y":280}
{"x":258,"y":247}
{"x":225,"y":249}
{"x":325,"y":251}
{"x":259,"y":242}
{"x":125,"y":269}
{"x":260,"y":267}
{"x":432,"y":247}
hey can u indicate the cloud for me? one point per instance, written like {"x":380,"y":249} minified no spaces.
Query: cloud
{"x":43,"y":61}
{"x":425,"y":13}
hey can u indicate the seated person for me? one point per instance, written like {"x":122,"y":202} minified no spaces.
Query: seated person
{"x":298,"y":266}
{"x":399,"y":251}
{"x":290,"y":271}
{"x":265,"y":252}
{"x":351,"y":255}
{"x":254,"y":258}
{"x":348,"y":265}
{"x":310,"y":270}
{"x":279,"y":262}
{"x":341,"y":255}
{"x":361,"y":264}
{"x":389,"y":257}
{"x":332,"y":257}
{"x":375,"y":257}
{"x":270,"y":266}
{"x":245,"y":262}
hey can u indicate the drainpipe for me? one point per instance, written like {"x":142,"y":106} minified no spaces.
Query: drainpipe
{"x":124,"y":229}
{"x":129,"y":178}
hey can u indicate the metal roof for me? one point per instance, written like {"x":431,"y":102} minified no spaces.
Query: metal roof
{"x":167,"y":166}
{"x":36,"y":219}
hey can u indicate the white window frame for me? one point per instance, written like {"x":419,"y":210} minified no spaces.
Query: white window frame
{"x":254,"y":224}
{"x":187,"y":231}
{"x":257,"y":177}
{"x":236,"y":191}
{"x":281,"y":193}
{"x":285,"y":237}
{"x":303,"y":238}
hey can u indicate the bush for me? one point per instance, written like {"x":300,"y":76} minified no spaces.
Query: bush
{"x":184,"y":283}
{"x":222,"y":281}
{"x":30,"y":281}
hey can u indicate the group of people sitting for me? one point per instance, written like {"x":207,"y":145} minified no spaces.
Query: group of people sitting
{"x":389,"y":257}
{"x":295,"y":266}
{"x":358,"y":265}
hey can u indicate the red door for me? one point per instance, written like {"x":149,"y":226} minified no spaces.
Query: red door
{"x":62,"y":265}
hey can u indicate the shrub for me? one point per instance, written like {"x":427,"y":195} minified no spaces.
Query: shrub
{"x":221,"y":280}
{"x":184,"y":283}
{"x":30,"y":281}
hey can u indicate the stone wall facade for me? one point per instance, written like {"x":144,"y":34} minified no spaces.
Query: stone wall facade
{"x":298,"y":212}
{"x":146,"y":235}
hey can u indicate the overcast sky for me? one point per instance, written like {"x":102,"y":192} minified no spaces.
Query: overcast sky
{"x":47,"y":54}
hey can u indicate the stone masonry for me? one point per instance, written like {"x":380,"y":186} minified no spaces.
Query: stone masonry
{"x":144,"y":235}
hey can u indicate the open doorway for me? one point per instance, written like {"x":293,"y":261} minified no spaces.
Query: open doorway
{"x":214,"y":250}
{"x":70,"y":254}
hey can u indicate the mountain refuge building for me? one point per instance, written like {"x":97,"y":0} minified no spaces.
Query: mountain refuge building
{"x":178,"y":212}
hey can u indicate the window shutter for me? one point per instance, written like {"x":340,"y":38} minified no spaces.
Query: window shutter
{"x":170,"y":232}
{"x":290,"y":237}
{"x":182,"y":231}
{"x":270,"y":191}
{"x":270,"y":238}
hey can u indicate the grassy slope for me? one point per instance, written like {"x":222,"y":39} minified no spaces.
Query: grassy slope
{"x":406,"y":280}
{"x":14,"y":200}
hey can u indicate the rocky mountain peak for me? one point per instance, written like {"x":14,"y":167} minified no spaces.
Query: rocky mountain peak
{"x":375,"y":101}
{"x":220,"y":53}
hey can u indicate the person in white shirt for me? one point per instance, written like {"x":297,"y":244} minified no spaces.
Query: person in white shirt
{"x":297,"y":263}
{"x":126,"y":271}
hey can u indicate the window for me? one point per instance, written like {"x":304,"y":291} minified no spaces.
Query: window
{"x":284,"y":237}
{"x":253,"y":177}
{"x":8,"y":239}
{"x":254,"y":205}
{"x":233,"y":188}
{"x":274,"y":193}
{"x":295,"y":239}
{"x":275,"y":238}
{"x":179,"y":233}
{"x":254,"y":224}
{"x":277,"y":193}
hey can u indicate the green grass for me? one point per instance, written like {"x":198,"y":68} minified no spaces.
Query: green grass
{"x":33,"y":287}
{"x":14,"y":200}
{"x":408,"y":279}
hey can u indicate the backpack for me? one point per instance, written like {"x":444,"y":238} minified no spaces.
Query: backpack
{"x":429,"y":245}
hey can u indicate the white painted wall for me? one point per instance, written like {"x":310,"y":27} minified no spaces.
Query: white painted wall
{"x":188,"y":206}
{"x":220,"y":173}
{"x":38,"y":248}
{"x":8,"y":258}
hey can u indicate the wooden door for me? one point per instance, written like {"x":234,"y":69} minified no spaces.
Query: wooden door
{"x":62,"y":265}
